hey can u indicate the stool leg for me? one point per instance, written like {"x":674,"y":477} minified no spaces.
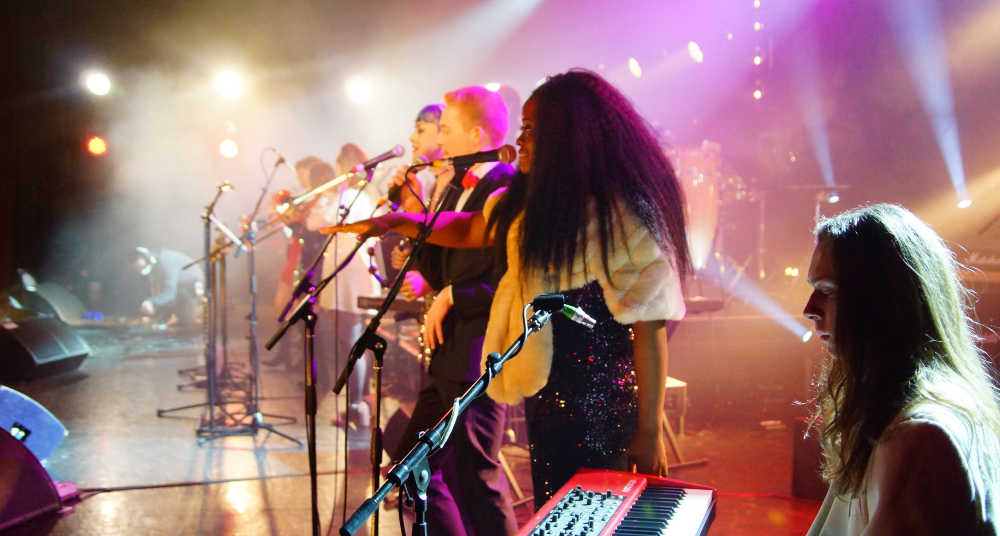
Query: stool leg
{"x":510,"y":477}
{"x":672,"y":439}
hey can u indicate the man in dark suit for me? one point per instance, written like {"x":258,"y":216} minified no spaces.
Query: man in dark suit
{"x":469,"y":493}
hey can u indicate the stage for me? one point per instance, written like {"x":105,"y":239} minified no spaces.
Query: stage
{"x":161,"y":481}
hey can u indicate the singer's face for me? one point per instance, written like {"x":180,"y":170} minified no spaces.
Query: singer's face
{"x":454,"y":138}
{"x":526,"y":141}
{"x":424,"y":140}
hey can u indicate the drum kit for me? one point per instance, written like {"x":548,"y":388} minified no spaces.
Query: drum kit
{"x":707,"y":192}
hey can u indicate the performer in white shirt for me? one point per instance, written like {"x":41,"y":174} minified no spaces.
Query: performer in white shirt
{"x":341,"y":322}
{"x":906,"y":412}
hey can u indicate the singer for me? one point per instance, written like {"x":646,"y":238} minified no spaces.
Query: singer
{"x":907,"y":412}
{"x":597,"y":214}
{"x":468,"y":486}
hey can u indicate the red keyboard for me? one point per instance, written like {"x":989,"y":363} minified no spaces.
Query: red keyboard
{"x":606,"y":503}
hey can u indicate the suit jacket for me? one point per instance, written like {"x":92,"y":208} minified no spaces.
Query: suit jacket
{"x":473,"y":280}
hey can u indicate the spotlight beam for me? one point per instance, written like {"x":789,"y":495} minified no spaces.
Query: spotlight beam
{"x":916,"y":25}
{"x":806,"y":84}
{"x":731,"y":278}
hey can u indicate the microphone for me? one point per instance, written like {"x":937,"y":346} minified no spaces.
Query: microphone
{"x":395,"y":152}
{"x":505,"y":154}
{"x":281,"y":160}
{"x":579,"y":316}
{"x":392,"y":195}
{"x":556,"y":302}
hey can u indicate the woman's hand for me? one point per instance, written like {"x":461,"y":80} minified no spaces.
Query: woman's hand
{"x":399,"y":256}
{"x":409,"y":201}
{"x":648,"y":455}
{"x":365,"y":229}
{"x":414,"y":286}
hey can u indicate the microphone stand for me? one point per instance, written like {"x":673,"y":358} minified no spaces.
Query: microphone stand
{"x":413,"y":471}
{"x":304,"y":311}
{"x":249,"y":242}
{"x":370,"y":340}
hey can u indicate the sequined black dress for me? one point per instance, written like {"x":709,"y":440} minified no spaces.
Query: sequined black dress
{"x":588,"y":413}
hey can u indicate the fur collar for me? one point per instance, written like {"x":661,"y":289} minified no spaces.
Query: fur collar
{"x":643,"y":286}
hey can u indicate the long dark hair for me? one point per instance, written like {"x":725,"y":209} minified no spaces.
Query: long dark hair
{"x":591,"y":148}
{"x":903,"y":335}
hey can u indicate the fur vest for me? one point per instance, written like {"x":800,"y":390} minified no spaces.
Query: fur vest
{"x":644,"y":286}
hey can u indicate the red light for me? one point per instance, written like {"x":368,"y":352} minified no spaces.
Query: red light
{"x":96,"y":145}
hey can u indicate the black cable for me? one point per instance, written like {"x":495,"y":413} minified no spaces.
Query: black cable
{"x":204,"y":482}
{"x":399,"y":508}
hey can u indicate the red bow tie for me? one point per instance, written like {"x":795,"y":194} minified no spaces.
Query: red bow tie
{"x":469,"y":180}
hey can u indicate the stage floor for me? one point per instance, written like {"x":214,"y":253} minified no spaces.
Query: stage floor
{"x":163,"y":482}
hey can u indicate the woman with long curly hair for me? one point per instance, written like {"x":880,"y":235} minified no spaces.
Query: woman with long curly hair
{"x":907,"y":411}
{"x":596,"y":213}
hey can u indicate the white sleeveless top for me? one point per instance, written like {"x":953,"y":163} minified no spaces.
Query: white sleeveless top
{"x":924,"y":478}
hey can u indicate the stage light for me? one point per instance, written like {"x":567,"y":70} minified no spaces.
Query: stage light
{"x":97,"y":146}
{"x":792,"y":272}
{"x":695,"y":51}
{"x":965,"y":203}
{"x":633,"y":65}
{"x":757,"y":26}
{"x":834,"y":197}
{"x":359,"y":90}
{"x":757,"y":94}
{"x":229,"y":149}
{"x":807,"y":335}
{"x":729,"y":36}
{"x":757,"y":60}
{"x":229,"y":83}
{"x":492,"y":86}
{"x":98,"y":84}
{"x":756,"y":3}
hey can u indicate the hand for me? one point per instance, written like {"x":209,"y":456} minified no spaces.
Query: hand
{"x":414,"y":286}
{"x":365,"y":229}
{"x":147,"y":308}
{"x":399,"y":256}
{"x":648,"y":455}
{"x":433,"y":333}
{"x":409,"y":202}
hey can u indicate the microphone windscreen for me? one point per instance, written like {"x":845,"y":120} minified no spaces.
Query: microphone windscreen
{"x":507,"y":154}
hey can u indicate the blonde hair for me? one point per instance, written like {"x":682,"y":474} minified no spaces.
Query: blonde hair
{"x":350,"y":156}
{"x":483,"y":108}
{"x":904,"y":336}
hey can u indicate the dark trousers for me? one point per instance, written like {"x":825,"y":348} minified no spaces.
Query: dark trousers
{"x":468,"y":493}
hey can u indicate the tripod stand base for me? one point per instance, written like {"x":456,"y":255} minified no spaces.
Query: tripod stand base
{"x":211,"y":433}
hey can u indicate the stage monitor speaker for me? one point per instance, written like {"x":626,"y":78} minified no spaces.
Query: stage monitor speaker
{"x":50,"y":299}
{"x":39,"y":346}
{"x":26,"y":489}
{"x":807,"y":463}
{"x":30,"y":423}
